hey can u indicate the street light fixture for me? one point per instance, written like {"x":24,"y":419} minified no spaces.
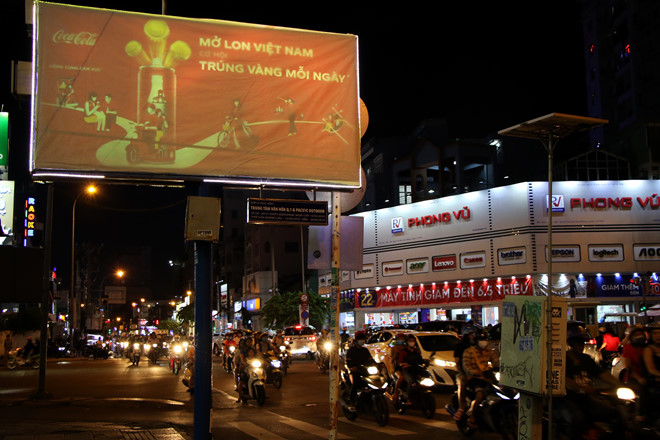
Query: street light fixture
{"x":90,"y":190}
{"x":549,"y":129}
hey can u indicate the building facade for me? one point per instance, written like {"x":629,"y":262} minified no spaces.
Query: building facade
{"x":458,"y":256}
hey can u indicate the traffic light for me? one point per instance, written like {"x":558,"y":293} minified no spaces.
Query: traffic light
{"x":642,"y":306}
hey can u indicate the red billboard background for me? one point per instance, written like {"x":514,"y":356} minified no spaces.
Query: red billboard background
{"x":137,"y":93}
{"x":445,"y":293}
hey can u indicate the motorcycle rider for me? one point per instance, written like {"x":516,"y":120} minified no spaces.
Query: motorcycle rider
{"x":357,"y":356}
{"x":467,"y":341}
{"x":29,"y":347}
{"x":263,"y":345}
{"x":580,"y":407}
{"x":245,"y":350}
{"x":229,"y":341}
{"x":409,"y":359}
{"x":478,"y":362}
{"x":651,"y":357}
{"x":278,"y":340}
{"x":323,"y":338}
{"x":344,"y":338}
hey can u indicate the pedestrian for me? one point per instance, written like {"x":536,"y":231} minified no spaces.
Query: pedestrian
{"x":572,"y":289}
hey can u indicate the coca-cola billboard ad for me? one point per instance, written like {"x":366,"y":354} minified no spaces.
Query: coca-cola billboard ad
{"x":438,"y":294}
{"x":132,"y":94}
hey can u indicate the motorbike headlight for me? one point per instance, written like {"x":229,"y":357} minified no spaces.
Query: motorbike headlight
{"x":372,"y":370}
{"x":427,"y":382}
{"x":164,"y":344}
{"x":232,"y":348}
{"x":625,"y":394}
{"x":497,"y":376}
{"x":444,"y":364}
{"x":185,"y":345}
{"x":147,"y":347}
{"x":256,"y":363}
{"x":154,"y":345}
{"x":178,"y":349}
{"x":282,"y":347}
{"x":276,"y":363}
{"x":136,"y":346}
{"x":327,"y":346}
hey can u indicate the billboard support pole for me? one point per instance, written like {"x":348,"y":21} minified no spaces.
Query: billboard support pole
{"x":334,"y":353}
{"x":45,"y":298}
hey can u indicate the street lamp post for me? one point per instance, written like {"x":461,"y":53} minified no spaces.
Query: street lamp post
{"x":549,"y":129}
{"x":90,"y":190}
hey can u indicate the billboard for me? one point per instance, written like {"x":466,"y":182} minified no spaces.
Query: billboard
{"x":133,"y":94}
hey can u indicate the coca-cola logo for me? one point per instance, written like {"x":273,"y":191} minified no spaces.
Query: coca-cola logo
{"x":79,"y":39}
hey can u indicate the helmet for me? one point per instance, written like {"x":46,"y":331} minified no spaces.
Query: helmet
{"x":577,"y":333}
{"x":481,"y":336}
{"x":467,"y":330}
{"x":360,"y":335}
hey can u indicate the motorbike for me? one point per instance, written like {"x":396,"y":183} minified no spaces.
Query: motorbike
{"x":177,"y":354}
{"x":16,"y":359}
{"x":323,"y":357}
{"x":253,"y":384}
{"x":229,"y":359}
{"x":622,"y":426}
{"x":497,"y":413}
{"x":153,"y":351}
{"x":418,"y":394}
{"x":135,"y":353}
{"x":285,"y":357}
{"x":272,"y":366}
{"x":188,"y":376}
{"x":101,"y":351}
{"x":370,"y":398}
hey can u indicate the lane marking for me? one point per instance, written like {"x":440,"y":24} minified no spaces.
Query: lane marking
{"x":255,"y":431}
{"x":310,"y":428}
{"x":387,"y":429}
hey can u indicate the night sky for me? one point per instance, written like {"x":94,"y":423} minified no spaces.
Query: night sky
{"x":482,"y":66}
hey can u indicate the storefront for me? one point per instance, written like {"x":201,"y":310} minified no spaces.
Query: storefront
{"x":456,"y":257}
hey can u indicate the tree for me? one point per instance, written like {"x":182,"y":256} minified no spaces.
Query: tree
{"x":282,"y":310}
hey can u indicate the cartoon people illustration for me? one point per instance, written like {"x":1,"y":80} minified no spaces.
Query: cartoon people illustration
{"x":110,"y":114}
{"x":65,"y":94}
{"x":93,"y":112}
{"x":154,"y":125}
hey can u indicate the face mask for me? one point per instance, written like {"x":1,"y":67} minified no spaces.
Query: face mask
{"x":483,"y":344}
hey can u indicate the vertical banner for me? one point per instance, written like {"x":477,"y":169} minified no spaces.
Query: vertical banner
{"x":524,"y":346}
{"x":136,"y":93}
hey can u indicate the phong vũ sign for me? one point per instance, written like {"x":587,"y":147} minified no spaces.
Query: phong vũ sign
{"x":129,"y":93}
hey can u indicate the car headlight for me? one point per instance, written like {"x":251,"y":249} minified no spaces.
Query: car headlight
{"x":276,"y":363}
{"x":427,"y":382}
{"x":372,"y":370}
{"x":256,"y":363}
{"x":625,"y":394}
{"x":444,"y":364}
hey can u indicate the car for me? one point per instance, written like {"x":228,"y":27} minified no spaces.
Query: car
{"x":380,"y":345}
{"x":455,"y":325}
{"x":438,"y":349}
{"x":301,"y":339}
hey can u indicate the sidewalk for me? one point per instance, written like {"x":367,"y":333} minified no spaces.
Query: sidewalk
{"x":110,"y":433}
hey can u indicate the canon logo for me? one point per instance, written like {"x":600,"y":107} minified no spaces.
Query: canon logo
{"x":79,"y":39}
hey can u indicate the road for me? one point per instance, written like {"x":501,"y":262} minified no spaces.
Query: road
{"x":84,"y":393}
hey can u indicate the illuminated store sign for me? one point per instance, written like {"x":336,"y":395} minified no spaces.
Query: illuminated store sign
{"x":564,"y":254}
{"x":511,"y":256}
{"x":612,"y":252}
{"x":444,"y":262}
{"x":366,"y":272}
{"x":473,"y":259}
{"x":646,"y":252}
{"x":457,"y":292}
{"x":392,"y":268}
{"x":417,"y":265}
{"x":29,"y":221}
